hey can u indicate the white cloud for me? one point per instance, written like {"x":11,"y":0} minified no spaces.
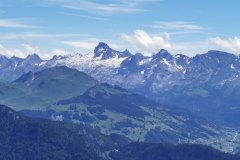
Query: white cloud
{"x":231,"y":44}
{"x":147,"y":44}
{"x":177,"y":25}
{"x":8,"y":23}
{"x":141,"y":41}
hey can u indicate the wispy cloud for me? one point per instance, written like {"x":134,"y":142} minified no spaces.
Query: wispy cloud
{"x":87,"y":45}
{"x":102,"y":8}
{"x":82,"y":45}
{"x":231,"y":44}
{"x":34,"y":35}
{"x":8,"y":23}
{"x":12,"y":52}
{"x":191,"y":48}
{"x":26,"y":49}
{"x":84,"y":16}
{"x":177,"y":26}
{"x":30,"y":49}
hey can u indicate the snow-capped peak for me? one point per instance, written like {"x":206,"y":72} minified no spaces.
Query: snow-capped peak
{"x":103,"y":52}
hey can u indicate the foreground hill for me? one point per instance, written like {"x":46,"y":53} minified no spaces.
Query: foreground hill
{"x":24,"y":138}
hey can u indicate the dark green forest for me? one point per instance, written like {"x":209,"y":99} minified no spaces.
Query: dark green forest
{"x":23,"y":138}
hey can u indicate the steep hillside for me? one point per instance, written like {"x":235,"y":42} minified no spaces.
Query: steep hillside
{"x":27,"y":138}
{"x":148,"y":151}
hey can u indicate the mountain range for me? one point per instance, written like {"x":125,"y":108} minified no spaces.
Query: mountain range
{"x":160,"y":98}
{"x":202,"y":84}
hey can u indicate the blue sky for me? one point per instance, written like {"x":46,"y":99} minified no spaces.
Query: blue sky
{"x":50,"y":27}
